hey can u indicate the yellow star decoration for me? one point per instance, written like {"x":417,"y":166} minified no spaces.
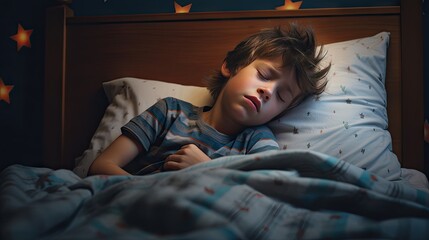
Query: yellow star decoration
{"x":4,"y":91}
{"x":180,"y":9}
{"x":289,"y":5}
{"x":22,"y":37}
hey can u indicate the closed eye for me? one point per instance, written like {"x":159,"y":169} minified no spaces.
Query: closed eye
{"x":267,"y":72}
{"x":280,"y":97}
{"x":262,"y":77}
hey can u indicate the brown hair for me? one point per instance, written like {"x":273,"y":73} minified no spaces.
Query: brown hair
{"x":296,"y":45}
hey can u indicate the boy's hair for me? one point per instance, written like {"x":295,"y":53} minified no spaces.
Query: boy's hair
{"x":295,"y":44}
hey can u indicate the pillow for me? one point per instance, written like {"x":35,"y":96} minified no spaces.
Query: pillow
{"x":349,"y":120}
{"x":128,"y":97}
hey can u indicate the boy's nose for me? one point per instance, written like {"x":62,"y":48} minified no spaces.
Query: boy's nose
{"x":265,"y":93}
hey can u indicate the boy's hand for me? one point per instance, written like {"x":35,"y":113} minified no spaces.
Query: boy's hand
{"x":187,"y":156}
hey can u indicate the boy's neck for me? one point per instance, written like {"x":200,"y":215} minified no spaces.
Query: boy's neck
{"x":216,"y":120}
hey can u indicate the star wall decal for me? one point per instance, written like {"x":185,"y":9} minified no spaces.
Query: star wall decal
{"x":22,"y":37}
{"x":289,"y":5}
{"x":4,"y":91}
{"x":180,"y":9}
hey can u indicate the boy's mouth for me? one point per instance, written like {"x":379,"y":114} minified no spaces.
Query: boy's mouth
{"x":255,"y":102}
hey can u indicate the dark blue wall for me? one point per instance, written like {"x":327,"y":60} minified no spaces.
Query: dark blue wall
{"x":426,"y":76}
{"x":21,"y":119}
{"x":100,"y":7}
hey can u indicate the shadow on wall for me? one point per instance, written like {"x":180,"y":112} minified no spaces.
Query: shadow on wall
{"x":426,"y":80}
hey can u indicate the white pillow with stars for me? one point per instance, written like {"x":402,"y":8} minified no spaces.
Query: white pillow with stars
{"x":349,"y":120}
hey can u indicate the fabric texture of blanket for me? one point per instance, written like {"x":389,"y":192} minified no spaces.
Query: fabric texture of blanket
{"x":272,"y":195}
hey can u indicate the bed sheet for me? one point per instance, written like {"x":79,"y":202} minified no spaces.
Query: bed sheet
{"x":273,"y":195}
{"x":415,"y":178}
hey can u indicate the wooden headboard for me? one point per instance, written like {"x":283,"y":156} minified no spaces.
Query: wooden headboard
{"x":82,"y":52}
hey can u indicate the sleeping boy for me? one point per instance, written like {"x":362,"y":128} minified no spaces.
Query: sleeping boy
{"x":262,"y":77}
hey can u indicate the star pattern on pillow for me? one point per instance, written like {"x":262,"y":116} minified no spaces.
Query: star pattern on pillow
{"x":348,"y":120}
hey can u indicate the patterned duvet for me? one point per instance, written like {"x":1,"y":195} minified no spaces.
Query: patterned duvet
{"x":271,"y":195}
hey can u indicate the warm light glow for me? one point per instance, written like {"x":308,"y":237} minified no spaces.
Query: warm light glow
{"x":180,"y":9}
{"x":22,"y":37}
{"x":4,"y":91}
{"x":289,"y":5}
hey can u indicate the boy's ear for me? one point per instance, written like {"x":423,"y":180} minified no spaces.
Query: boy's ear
{"x":225,"y":71}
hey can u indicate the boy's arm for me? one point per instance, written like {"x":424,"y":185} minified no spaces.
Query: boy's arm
{"x":113,"y":158}
{"x":185,"y":157}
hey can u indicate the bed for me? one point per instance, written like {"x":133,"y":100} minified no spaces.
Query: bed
{"x":358,"y":179}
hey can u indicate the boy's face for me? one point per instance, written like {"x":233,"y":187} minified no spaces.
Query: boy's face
{"x":259,"y":92}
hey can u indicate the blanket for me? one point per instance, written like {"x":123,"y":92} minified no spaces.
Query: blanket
{"x":272,"y":195}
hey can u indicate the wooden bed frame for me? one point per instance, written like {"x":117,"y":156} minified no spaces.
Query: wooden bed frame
{"x":82,"y":52}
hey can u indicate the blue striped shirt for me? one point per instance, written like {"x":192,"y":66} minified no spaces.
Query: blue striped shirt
{"x":172,"y":123}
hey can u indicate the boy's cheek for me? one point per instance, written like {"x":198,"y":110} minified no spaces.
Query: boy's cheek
{"x":274,"y":111}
